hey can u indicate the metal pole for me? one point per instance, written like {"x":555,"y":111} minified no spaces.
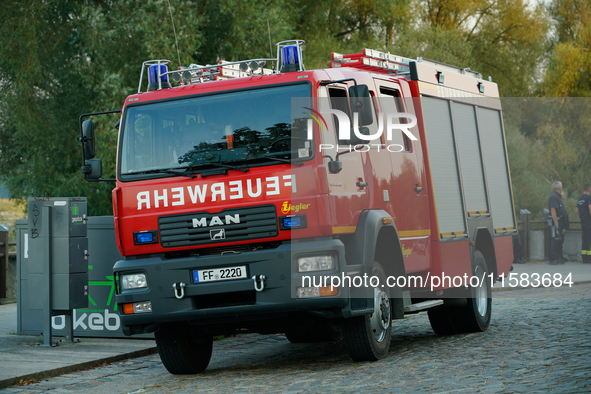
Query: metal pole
{"x":69,"y":321}
{"x":46,"y":230}
{"x":3,"y":262}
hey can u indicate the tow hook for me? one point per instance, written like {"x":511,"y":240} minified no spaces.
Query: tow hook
{"x":259,"y":282}
{"x":179,"y":290}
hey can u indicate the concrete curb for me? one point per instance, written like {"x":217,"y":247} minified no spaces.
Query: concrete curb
{"x":582,"y":282}
{"x":76,"y":367}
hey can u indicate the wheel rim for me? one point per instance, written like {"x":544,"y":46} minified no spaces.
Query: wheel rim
{"x":380,"y":319}
{"x":481,"y":292}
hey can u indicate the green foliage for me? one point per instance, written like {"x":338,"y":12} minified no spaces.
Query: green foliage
{"x":73,"y":57}
{"x":569,"y":69}
{"x":497,"y":38}
{"x":529,"y":174}
{"x":548,"y":139}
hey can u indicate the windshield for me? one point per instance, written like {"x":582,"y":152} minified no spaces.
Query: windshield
{"x":256,"y":127}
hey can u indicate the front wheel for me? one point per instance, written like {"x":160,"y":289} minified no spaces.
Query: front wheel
{"x":367,"y":338}
{"x":182,"y":349}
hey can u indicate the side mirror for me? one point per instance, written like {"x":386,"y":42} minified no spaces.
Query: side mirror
{"x":335,"y":166}
{"x":88,"y":139}
{"x":93,"y":169}
{"x":361,"y":102}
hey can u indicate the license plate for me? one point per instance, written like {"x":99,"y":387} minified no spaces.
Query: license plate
{"x":218,"y":274}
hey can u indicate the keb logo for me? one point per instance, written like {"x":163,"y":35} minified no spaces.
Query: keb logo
{"x":392,"y":121}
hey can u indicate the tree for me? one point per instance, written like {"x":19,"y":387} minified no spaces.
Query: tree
{"x":500,"y":38}
{"x":569,"y":68}
{"x":68,"y":58}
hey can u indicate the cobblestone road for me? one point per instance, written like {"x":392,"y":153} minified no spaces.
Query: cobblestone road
{"x":539,"y":341}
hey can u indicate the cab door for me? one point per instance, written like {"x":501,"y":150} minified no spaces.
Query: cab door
{"x":409,"y":201}
{"x":347,"y":190}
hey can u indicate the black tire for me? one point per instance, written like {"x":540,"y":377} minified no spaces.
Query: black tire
{"x":183,"y":350}
{"x":367,"y":338}
{"x":474,"y":312}
{"x":441,"y":320}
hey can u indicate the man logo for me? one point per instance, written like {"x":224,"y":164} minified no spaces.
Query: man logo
{"x":215,"y":221}
{"x":216,"y":235}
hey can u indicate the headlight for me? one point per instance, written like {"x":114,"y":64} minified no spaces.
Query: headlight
{"x":134,"y":281}
{"x":316,"y":263}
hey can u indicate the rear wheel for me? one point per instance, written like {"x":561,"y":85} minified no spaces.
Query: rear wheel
{"x":367,"y":338}
{"x":475,"y":315}
{"x":441,"y":320}
{"x":471,"y":315}
{"x":183,"y":350}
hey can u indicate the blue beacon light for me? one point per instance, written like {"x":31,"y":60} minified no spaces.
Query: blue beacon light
{"x":153,"y":77}
{"x":290,"y":58}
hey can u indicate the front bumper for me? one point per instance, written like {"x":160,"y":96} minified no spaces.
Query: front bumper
{"x":233,"y":300}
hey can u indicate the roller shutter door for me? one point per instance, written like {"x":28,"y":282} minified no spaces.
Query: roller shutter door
{"x":495,"y":163}
{"x":470,"y":157}
{"x":444,"y":167}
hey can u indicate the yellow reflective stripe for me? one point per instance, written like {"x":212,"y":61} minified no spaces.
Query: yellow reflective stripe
{"x":414,"y":233}
{"x":343,"y":230}
{"x":454,"y":234}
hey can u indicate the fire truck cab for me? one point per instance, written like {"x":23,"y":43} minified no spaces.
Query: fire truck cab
{"x":322,"y":204}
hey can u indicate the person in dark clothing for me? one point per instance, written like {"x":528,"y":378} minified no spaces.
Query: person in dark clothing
{"x":517,"y":251}
{"x":584,"y":212}
{"x":564,"y":225}
{"x":557,"y":210}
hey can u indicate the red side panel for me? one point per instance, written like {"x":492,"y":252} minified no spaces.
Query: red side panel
{"x":504,"y":254}
{"x":455,"y":258}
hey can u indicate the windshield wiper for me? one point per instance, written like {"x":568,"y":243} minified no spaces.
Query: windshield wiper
{"x":175,"y":171}
{"x":297,"y":161}
{"x":190,"y":170}
{"x":243,"y":168}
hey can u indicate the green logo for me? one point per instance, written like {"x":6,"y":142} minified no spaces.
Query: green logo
{"x":75,"y":210}
{"x":110,"y":283}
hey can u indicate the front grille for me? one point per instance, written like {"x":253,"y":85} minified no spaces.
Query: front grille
{"x":203,"y":228}
{"x":221,"y":250}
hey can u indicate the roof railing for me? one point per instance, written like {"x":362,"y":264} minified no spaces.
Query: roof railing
{"x":377,"y":61}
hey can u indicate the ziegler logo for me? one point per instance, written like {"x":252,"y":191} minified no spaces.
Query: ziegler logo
{"x":215,"y":221}
{"x":217,"y":234}
{"x":288,"y":208}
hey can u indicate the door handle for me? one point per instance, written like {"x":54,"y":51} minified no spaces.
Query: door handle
{"x":361,"y":184}
{"x":418,"y":189}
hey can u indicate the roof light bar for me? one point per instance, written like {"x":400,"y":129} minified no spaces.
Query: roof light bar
{"x":288,"y":52}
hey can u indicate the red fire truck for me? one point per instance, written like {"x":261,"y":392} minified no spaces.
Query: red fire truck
{"x":321,"y":204}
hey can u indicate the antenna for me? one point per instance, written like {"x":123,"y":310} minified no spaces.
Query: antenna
{"x":270,"y":45}
{"x":174,"y":29}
